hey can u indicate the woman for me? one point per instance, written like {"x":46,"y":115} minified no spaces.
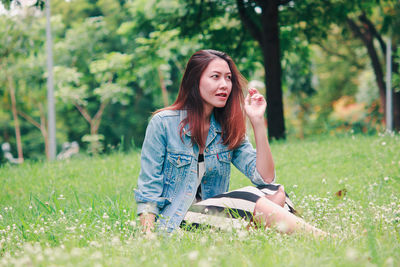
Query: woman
{"x":188,"y":148}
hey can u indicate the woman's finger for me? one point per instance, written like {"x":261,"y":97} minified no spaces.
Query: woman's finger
{"x":257,"y":97}
{"x":253,"y":91}
{"x":247,"y":99}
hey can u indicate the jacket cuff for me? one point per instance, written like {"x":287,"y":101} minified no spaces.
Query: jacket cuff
{"x":258,"y":180}
{"x":147,"y":207}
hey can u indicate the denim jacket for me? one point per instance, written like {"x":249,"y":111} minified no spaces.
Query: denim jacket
{"x":168,"y":179}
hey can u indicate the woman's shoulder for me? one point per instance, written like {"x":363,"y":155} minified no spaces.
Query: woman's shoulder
{"x":168,"y":113}
{"x":167,"y":117}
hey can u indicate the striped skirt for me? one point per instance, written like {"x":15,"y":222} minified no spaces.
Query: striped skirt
{"x":231,"y":209}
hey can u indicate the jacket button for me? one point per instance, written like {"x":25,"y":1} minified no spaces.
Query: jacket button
{"x":210,"y":169}
{"x":204,"y":182}
{"x":207,"y":150}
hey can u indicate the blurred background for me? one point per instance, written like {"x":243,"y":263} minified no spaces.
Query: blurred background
{"x":322,"y":64}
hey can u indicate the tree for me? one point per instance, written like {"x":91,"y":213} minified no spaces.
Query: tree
{"x":367,"y":20}
{"x":111,"y":76}
{"x":16,"y":42}
{"x":366,"y":30}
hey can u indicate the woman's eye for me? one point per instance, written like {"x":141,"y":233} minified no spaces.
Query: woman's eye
{"x":214,"y":76}
{"x":229,"y":77}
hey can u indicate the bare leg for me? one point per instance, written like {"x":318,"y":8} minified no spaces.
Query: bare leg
{"x":279,"y":197}
{"x":273,"y":215}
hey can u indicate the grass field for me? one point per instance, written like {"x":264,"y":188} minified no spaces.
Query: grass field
{"x":81,"y":212}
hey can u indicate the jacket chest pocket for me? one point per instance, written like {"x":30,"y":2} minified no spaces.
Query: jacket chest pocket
{"x":224,"y":161}
{"x":176,"y":169}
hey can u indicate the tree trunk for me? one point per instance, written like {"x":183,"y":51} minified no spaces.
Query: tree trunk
{"x":396,"y":111}
{"x":266,"y":32}
{"x":15,"y":116}
{"x":43,"y":130}
{"x":365,"y":34}
{"x":272,"y":63}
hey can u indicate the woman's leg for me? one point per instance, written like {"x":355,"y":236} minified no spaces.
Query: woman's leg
{"x":279,"y":197}
{"x":273,"y":215}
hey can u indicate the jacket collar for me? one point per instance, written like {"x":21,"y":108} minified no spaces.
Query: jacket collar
{"x":215,"y":127}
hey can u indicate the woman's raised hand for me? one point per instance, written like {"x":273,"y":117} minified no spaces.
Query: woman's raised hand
{"x":255,"y":105}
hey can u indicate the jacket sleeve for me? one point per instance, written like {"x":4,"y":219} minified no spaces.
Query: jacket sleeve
{"x":244,"y":159}
{"x":150,"y":182}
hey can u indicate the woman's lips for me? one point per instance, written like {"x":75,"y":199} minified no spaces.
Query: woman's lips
{"x":222,"y":95}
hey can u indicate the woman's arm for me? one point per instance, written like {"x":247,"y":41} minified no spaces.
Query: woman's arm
{"x":150,"y":182}
{"x":255,"y":106}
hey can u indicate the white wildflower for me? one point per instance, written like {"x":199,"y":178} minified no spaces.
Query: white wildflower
{"x":105,"y":216}
{"x":242,"y":234}
{"x":94,"y":244}
{"x":351,"y":254}
{"x":193,"y":255}
{"x":96,"y":255}
{"x":386,"y":178}
{"x":204,"y":263}
{"x":115,"y":241}
{"x":76,"y":252}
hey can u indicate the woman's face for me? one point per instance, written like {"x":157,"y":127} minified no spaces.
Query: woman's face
{"x":215,"y":84}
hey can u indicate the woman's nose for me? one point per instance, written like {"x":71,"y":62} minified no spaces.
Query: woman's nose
{"x":223,"y":83}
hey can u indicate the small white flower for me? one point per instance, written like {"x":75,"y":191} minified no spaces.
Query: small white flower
{"x":352,"y":254}
{"x":242,"y":234}
{"x":324,"y":181}
{"x":76,"y":252}
{"x":193,"y":255}
{"x":295,"y":186}
{"x":30,"y":207}
{"x":96,"y":255}
{"x":61,"y":197}
{"x":105,"y":216}
{"x":386,"y":178}
{"x":132,"y":223}
{"x":115,"y":241}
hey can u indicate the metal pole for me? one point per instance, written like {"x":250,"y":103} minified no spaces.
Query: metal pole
{"x":389,"y":99}
{"x":50,"y":87}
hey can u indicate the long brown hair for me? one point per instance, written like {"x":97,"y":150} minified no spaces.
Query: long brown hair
{"x":231,"y":117}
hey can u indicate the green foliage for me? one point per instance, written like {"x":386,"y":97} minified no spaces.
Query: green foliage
{"x":126,"y":58}
{"x":94,"y":141}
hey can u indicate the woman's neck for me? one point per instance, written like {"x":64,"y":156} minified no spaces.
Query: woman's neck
{"x":207,"y":113}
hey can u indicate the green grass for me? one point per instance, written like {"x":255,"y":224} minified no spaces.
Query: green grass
{"x":82,"y":212}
